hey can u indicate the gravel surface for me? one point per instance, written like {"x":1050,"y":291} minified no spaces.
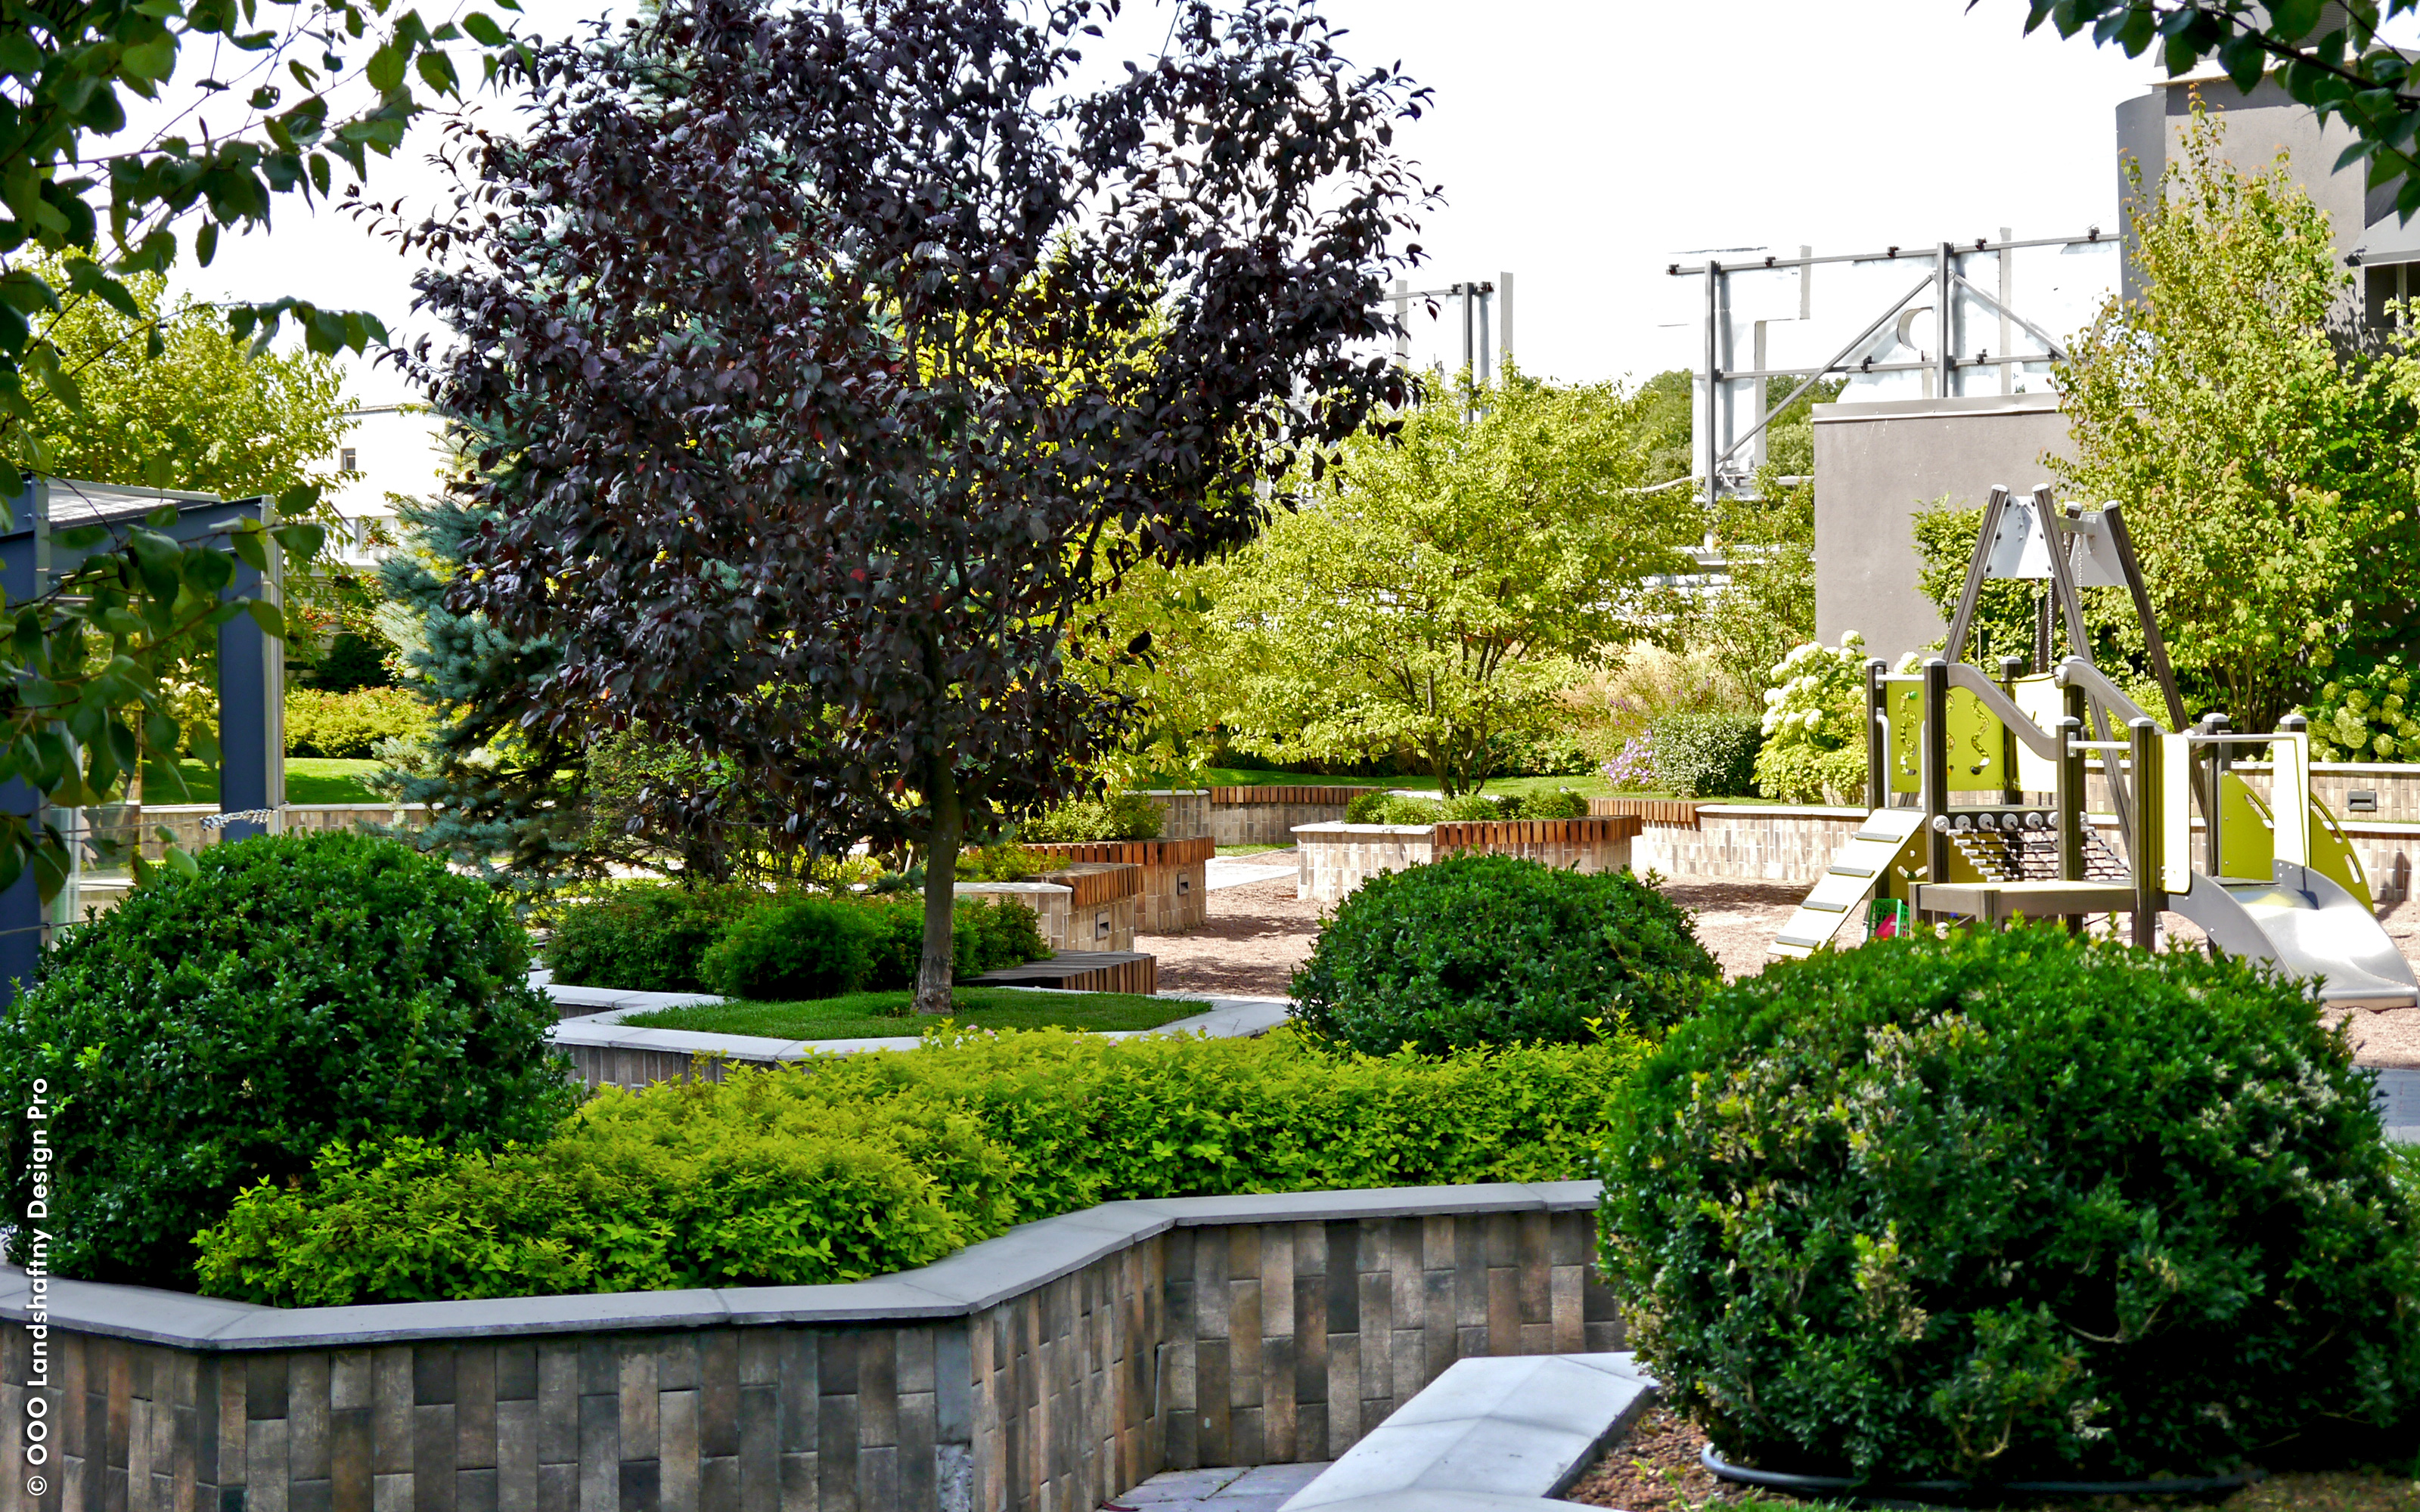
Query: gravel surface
{"x":1256,"y":935}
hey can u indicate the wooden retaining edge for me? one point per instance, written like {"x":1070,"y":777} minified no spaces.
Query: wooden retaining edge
{"x":1682,"y":811}
{"x":1190,"y":852}
{"x":1095,"y":883}
{"x":1596,"y":829}
{"x":1083,"y":971}
{"x":1287,"y":795}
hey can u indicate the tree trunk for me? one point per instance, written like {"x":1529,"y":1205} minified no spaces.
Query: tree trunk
{"x":932,"y":972}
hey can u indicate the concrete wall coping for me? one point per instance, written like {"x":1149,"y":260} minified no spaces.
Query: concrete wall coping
{"x":1038,"y":889}
{"x":1339,"y":827}
{"x":1783,"y":810}
{"x":1951,"y":409}
{"x":979,"y":1276}
{"x":1220,"y":1018}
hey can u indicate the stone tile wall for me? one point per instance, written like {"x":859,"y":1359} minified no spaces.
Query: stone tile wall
{"x":1744,"y":843}
{"x":1183,"y":812}
{"x":1334,"y":859}
{"x":1279,"y":1332}
{"x":1172,"y":889}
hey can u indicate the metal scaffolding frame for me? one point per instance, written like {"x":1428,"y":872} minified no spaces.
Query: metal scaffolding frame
{"x":1977,"y":330}
{"x":1478,"y":301}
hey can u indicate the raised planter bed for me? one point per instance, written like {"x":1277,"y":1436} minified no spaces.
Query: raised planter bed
{"x":1086,"y":905}
{"x":1172,"y":893}
{"x":1268,"y":815}
{"x":1335,"y":858}
{"x":1054,"y":1366}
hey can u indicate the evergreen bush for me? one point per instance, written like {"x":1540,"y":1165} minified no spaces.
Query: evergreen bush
{"x":645,"y":937}
{"x":2015,"y":1205}
{"x":216,"y":1031}
{"x":1709,"y":754}
{"x":803,"y":949}
{"x":864,"y":1164}
{"x":1477,"y":950}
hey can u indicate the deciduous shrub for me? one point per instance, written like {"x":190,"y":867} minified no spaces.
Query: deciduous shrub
{"x":217,"y":1031}
{"x":2012,"y":1206}
{"x":2367,"y":716}
{"x":1116,"y":816}
{"x":348,"y":724}
{"x":646,"y":937}
{"x":1380,"y":807}
{"x":869,"y":1163}
{"x":1707,"y":755}
{"x":1491,"y":950}
{"x":1814,"y":748}
{"x":804,"y":947}
{"x":1560,"y":804}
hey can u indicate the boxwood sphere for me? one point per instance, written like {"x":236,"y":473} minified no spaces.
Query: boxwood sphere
{"x":2014,"y":1207}
{"x":1491,"y":950}
{"x":217,"y":1031}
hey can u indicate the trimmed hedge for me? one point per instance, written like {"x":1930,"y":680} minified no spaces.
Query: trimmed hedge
{"x":1479,"y":951}
{"x":661,"y":937}
{"x":348,"y":724}
{"x":218,"y":1030}
{"x":645,"y":937}
{"x":864,"y":1164}
{"x":2016,"y":1206}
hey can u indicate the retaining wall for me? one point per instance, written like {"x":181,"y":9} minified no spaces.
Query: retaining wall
{"x":1335,"y":858}
{"x":1050,"y":1368}
{"x":1270,"y":815}
{"x":1183,"y":812}
{"x":1173,"y":886}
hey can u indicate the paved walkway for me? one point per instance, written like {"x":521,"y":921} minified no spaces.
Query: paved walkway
{"x":1225,"y":1489}
{"x":1261,"y":866}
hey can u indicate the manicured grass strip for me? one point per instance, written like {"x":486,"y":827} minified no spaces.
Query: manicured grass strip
{"x":881,"y":1015}
{"x":308,"y":779}
{"x":1588,"y":785}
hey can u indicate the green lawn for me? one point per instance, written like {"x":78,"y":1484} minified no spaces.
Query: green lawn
{"x":874,"y":1015}
{"x":308,"y":779}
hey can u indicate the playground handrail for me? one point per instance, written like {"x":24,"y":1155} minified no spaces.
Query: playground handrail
{"x":2004,"y":708}
{"x":2077,"y":672}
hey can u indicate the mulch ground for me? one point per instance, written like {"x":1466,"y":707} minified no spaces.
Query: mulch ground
{"x":1654,"y":1468}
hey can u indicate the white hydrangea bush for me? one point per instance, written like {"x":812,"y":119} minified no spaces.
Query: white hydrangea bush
{"x":1814,"y":724}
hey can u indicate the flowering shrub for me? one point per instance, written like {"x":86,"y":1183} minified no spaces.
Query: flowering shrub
{"x":1632,"y":768}
{"x":2367,"y":717}
{"x":1814,"y":716}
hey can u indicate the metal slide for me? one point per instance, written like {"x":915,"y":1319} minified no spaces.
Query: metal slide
{"x":1841,"y":893}
{"x":2309,"y":926}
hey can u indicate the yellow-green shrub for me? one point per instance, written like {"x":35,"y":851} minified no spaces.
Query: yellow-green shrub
{"x":863,"y":1165}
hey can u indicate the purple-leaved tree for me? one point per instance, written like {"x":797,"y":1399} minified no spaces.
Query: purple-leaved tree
{"x":837,"y":357}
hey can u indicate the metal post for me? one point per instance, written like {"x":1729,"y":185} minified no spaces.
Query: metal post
{"x":1877,"y":735}
{"x":1402,"y":323}
{"x":1935,"y":769}
{"x":2008,"y":338}
{"x":1469,"y":293}
{"x":2143,"y":736}
{"x":1945,"y":365}
{"x":2215,"y":800}
{"x":2011,"y":668}
{"x":1757,"y":453}
{"x":2070,"y":790}
{"x":1504,"y":316}
{"x":1486,"y":373}
{"x":1712,"y":450}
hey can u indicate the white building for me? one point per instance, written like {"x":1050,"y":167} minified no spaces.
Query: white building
{"x":391,"y":449}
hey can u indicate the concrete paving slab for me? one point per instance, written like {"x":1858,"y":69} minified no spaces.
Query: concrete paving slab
{"x":1447,"y":1502}
{"x":1286,"y":1478}
{"x":1514,"y":1426}
{"x":1180,"y":1486}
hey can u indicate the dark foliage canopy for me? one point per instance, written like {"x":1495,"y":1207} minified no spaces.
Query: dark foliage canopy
{"x":848,"y":353}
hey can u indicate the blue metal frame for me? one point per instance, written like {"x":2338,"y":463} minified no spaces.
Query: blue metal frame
{"x":251,"y":664}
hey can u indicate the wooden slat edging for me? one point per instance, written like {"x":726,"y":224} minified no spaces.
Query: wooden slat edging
{"x":1683,"y":811}
{"x":1190,"y":852}
{"x":1492,"y":833}
{"x":1286,"y":794}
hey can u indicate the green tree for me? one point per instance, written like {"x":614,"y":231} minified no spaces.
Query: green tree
{"x":203,"y":411}
{"x":2326,"y":54}
{"x":1438,"y":592}
{"x":85,"y":201}
{"x":2270,"y":479}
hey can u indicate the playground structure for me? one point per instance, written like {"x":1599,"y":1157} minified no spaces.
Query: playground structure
{"x":1976,"y":786}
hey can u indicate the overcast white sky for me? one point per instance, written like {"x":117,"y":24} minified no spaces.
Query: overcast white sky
{"x":1581,"y":144}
